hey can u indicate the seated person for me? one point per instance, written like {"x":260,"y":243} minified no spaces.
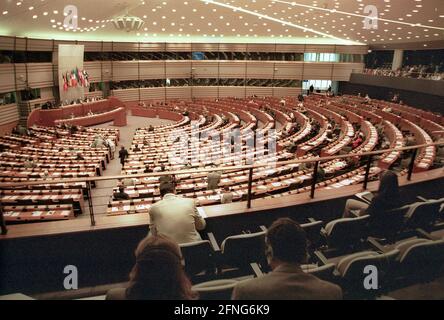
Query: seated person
{"x":213,"y":180}
{"x":151,"y":128}
{"x":227,"y":196}
{"x":121,"y":195}
{"x":127,"y":182}
{"x":387,"y":198}
{"x":136,"y":148}
{"x":367,"y":99}
{"x":148,"y":169}
{"x":305,"y":166}
{"x":157,"y":275}
{"x":170,"y":178}
{"x":286,"y":251}
{"x":175,"y":217}
{"x":321,"y":174}
{"x":29,"y":164}
{"x":79,"y":157}
{"x":358,"y":140}
{"x":292,"y":147}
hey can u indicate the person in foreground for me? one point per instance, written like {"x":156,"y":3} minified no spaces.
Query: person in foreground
{"x":387,"y":198}
{"x":286,"y":245}
{"x":175,"y":216}
{"x":157,"y":275}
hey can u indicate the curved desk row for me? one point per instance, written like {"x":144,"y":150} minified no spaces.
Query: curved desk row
{"x":49,"y":117}
{"x":118,"y":116}
{"x":156,"y":112}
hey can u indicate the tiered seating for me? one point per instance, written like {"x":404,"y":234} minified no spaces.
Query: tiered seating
{"x":217,"y":117}
{"x":51,"y":154}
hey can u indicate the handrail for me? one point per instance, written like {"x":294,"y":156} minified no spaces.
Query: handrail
{"x":218,"y":169}
{"x":403,"y":74}
{"x":250,"y":168}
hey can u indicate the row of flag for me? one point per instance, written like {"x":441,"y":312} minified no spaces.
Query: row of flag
{"x":75,"y":78}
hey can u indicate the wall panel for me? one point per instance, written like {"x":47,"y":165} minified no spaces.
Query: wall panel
{"x":178,"y":93}
{"x":259,"y":70}
{"x":178,"y":69}
{"x":125,"y":70}
{"x":232,"y":69}
{"x":152,"y":69}
{"x":9,"y":113}
{"x":206,"y":92}
{"x":205,"y":69}
{"x":7,"y":81}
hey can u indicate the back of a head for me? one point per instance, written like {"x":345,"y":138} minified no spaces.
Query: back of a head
{"x":388,"y":185}
{"x":158,"y":273}
{"x":166,"y":187}
{"x":287,"y":241}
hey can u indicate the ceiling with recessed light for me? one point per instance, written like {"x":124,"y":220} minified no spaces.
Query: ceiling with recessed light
{"x":257,"y":21}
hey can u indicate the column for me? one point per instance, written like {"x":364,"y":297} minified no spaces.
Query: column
{"x":398,"y":56}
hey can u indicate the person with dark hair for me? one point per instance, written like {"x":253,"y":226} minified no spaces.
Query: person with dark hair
{"x":136,"y":148}
{"x":170,"y":178}
{"x":175,"y":216}
{"x":2,"y":222}
{"x":29,"y":164}
{"x":121,"y":195}
{"x":387,"y":198}
{"x":286,"y":251}
{"x":80,"y":156}
{"x":158,"y":273}
{"x":123,"y":154}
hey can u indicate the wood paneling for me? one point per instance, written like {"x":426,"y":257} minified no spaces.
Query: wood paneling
{"x":7,"y":81}
{"x":9,"y":113}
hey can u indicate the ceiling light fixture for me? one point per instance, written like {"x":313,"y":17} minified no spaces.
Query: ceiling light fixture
{"x":128,"y":23}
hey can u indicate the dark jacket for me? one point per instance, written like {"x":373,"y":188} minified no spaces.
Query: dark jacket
{"x":123,"y":154}
{"x":121,"y":196}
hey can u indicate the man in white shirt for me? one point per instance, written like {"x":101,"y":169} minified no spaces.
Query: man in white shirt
{"x":175,"y":217}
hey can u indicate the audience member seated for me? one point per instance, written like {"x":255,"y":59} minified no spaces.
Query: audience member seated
{"x":29,"y":164}
{"x":387,"y":198}
{"x":359,"y":139}
{"x":121,"y":195}
{"x":170,"y":178}
{"x":286,"y":250}
{"x":213,"y":180}
{"x":80,"y":157}
{"x":128,"y":182}
{"x":158,"y":273}
{"x":227,"y":196}
{"x":175,"y":216}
